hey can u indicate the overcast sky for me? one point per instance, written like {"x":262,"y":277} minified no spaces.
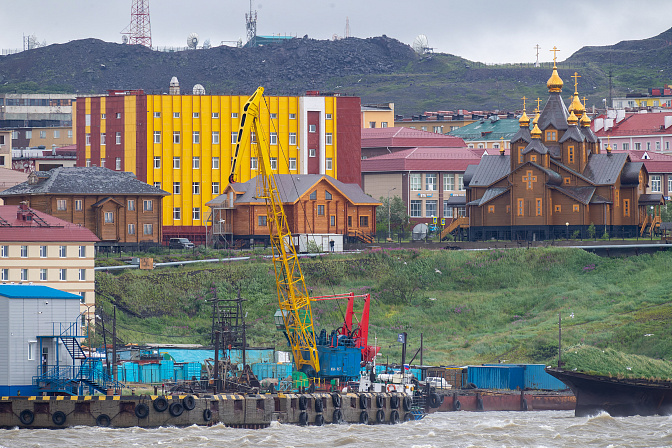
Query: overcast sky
{"x":485,"y":30}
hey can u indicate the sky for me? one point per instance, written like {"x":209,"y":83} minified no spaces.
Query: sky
{"x":491,"y":31}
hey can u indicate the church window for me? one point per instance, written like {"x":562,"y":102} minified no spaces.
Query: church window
{"x":533,"y":157}
{"x":575,"y":208}
{"x":491,"y":209}
{"x":508,"y":209}
{"x":539,"y":209}
{"x":520,"y":155}
{"x":626,"y":207}
{"x":570,"y":151}
{"x":521,"y":208}
{"x":558,"y":208}
{"x":551,"y":136}
{"x":567,"y":180}
{"x":530,"y":179}
{"x":616,"y":198}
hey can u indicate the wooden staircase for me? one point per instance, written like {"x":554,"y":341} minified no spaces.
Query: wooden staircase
{"x":650,"y":223}
{"x":361,"y":236}
{"x":461,"y":222}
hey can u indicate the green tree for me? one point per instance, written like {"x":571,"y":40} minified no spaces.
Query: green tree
{"x":398,"y":213}
{"x":591,"y":230}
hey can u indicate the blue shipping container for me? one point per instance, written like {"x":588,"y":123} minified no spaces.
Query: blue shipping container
{"x":149,"y":373}
{"x":496,"y":377}
{"x":167,"y":370}
{"x":339,"y":362}
{"x":536,"y":377}
{"x":192,"y":370}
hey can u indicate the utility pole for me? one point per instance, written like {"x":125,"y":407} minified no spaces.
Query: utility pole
{"x":216,"y":374}
{"x":114,"y":345}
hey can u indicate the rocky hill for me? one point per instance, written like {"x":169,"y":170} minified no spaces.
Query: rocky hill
{"x":379,"y":69}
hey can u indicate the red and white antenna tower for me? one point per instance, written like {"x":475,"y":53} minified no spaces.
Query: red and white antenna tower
{"x":139,"y":30}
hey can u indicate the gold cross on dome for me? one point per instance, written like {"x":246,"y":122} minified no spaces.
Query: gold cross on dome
{"x":530,"y":179}
{"x":584,"y":101}
{"x":523,"y":98}
{"x":576,"y":77}
{"x":538,"y":100}
{"x":555,"y":51}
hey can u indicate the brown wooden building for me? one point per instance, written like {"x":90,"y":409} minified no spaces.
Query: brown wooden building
{"x":556,"y":181}
{"x":114,"y":205}
{"x":313,"y":203}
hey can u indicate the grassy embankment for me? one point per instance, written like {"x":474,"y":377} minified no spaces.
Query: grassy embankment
{"x":472,"y":307}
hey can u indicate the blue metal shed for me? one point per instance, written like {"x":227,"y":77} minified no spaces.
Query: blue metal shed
{"x":497,"y":377}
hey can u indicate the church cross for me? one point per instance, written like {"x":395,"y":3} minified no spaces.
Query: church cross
{"x":523,"y":98}
{"x":530,"y":179}
{"x":576,"y":77}
{"x":555,"y":51}
{"x":538,"y":101}
{"x":584,"y":101}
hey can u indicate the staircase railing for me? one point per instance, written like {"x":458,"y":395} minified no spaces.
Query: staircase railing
{"x":462,"y":221}
{"x":361,"y":236}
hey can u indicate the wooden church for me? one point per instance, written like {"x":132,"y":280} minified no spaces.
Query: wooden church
{"x":556,"y":181}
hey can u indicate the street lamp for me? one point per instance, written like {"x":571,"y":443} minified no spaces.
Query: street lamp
{"x":389,"y":233}
{"x":567,"y":227}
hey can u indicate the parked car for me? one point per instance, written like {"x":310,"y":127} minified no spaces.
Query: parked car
{"x":180,"y":243}
{"x":438,"y":382}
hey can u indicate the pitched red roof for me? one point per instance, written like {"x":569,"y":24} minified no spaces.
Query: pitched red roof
{"x":406,"y":138}
{"x":654,"y":162}
{"x":423,"y":159}
{"x":40,"y":228}
{"x":638,"y":124}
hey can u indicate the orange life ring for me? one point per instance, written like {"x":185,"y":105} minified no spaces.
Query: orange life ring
{"x":390,"y":388}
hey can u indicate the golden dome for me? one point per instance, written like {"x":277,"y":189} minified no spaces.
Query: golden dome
{"x":536,"y":132}
{"x":572,"y":120}
{"x":585,"y":120}
{"x":577,"y":105}
{"x":524,"y":120}
{"x":554,"y":83}
{"x":536,"y":118}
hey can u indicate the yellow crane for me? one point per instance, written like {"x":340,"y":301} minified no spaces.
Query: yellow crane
{"x":293,"y":296}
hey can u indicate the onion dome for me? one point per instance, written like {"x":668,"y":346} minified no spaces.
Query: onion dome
{"x":524,"y":120}
{"x":572,"y":120}
{"x":536,"y":132}
{"x":585,"y":120}
{"x":536,"y":118}
{"x":554,"y":83}
{"x":577,"y":105}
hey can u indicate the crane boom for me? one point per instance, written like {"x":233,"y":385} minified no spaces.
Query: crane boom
{"x":293,"y":298}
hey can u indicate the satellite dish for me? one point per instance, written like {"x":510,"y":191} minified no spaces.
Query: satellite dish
{"x":124,"y":39}
{"x":192,"y":41}
{"x":421,"y":45}
{"x":199,"y":89}
{"x":420,"y":232}
{"x":206,"y":44}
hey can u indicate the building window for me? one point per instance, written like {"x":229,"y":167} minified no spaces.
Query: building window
{"x":430,"y":182}
{"x":176,"y":115}
{"x":551,"y":136}
{"x":43,"y":251}
{"x":311,"y":128}
{"x":196,"y":137}
{"x":43,"y":134}
{"x":177,"y":213}
{"x":521,"y":209}
{"x":82,"y":251}
{"x":313,"y":195}
{"x":292,"y":138}
{"x":57,"y":134}
{"x":332,"y":220}
{"x":363,"y":221}
{"x":117,"y":163}
{"x":491,"y":209}
{"x":261,"y":220}
{"x":311,"y":152}
{"x":157,"y":136}
{"x":539,"y":208}
{"x":383,"y":124}
{"x":320,"y":210}
{"x":62,"y":274}
{"x":329,"y":163}
{"x":558,"y":208}
{"x":274,"y":138}
{"x":234,"y":114}
{"x":349,"y":221}
{"x":447,"y":210}
{"x":615,"y":146}
{"x":24,"y":251}
{"x":61,"y":204}
{"x":88,"y":163}
{"x":176,"y":188}
{"x":533,"y":158}
{"x":102,"y":138}
{"x":156,"y":115}
{"x":117,"y":138}
{"x":234,"y":138}
{"x":195,"y":115}
{"x":196,"y":188}
{"x":274,"y":163}
{"x":215,"y":163}
{"x":292,"y":164}
{"x":82,"y":275}
{"x":372,"y":124}
{"x":253,"y":163}
{"x":648,"y":146}
{"x":626,"y":146}
{"x":626,"y":207}
{"x":567,"y":180}
{"x":102,"y":163}
{"x":253,"y":137}
{"x":328,"y":116}
{"x":431,"y":209}
{"x":131,"y":229}
{"x":571,"y":154}
{"x":416,"y":182}
{"x":29,"y":134}
{"x":448,"y":182}
{"x":4,"y":251}
{"x":5,"y":274}
{"x":24,"y":275}
{"x":215,"y":188}
{"x":109,"y":217}
{"x":460,"y":182}
{"x":148,"y":229}
{"x":215,"y":115}
{"x":638,"y":146}
{"x":196,"y":162}
{"x":329,"y":138}
{"x":617,"y":201}
{"x":176,"y":163}
{"x":575,"y":208}
{"x":157,"y":162}
{"x":196,"y":213}
{"x":176,"y":137}
{"x":43,"y":275}
{"x":292,"y":116}
{"x":416,"y":209}
{"x":327,"y":195}
{"x":273,"y":115}
{"x":131,"y":205}
{"x":215,"y":137}
{"x":656,"y":183}
{"x":147,"y":205}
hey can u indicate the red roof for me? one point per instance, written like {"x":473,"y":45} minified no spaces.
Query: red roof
{"x":638,"y":124}
{"x":654,"y":162}
{"x":40,"y":228}
{"x":423,"y":159}
{"x":407,"y":138}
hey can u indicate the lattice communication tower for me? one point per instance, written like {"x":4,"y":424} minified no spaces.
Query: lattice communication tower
{"x":251,"y":25}
{"x":140,"y":29}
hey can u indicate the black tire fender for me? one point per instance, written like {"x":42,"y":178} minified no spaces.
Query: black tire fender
{"x":103,"y":420}
{"x":303,"y":418}
{"x":457,"y":405}
{"x":336,"y":400}
{"x":207,"y":415}
{"x":176,"y":409}
{"x":380,"y":401}
{"x":319,"y":406}
{"x":189,"y":402}
{"x":59,"y":418}
{"x":160,"y":404}
{"x":380,"y":416}
{"x":337,"y":416}
{"x":303,"y":402}
{"x":394,"y":402}
{"x":408,"y":417}
{"x":479,"y":403}
{"x":27,"y":417}
{"x":407,"y":403}
{"x":141,"y":410}
{"x":394,"y":417}
{"x":364,"y":418}
{"x":319,"y":420}
{"x":523,"y":405}
{"x":362,"y":401}
{"x":434,"y":400}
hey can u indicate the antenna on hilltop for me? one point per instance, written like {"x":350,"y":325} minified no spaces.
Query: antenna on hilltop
{"x":192,"y":41}
{"x":251,"y":25}
{"x":139,"y":30}
{"x":421,"y":45}
{"x":347,"y":27}
{"x":537,"y":47}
